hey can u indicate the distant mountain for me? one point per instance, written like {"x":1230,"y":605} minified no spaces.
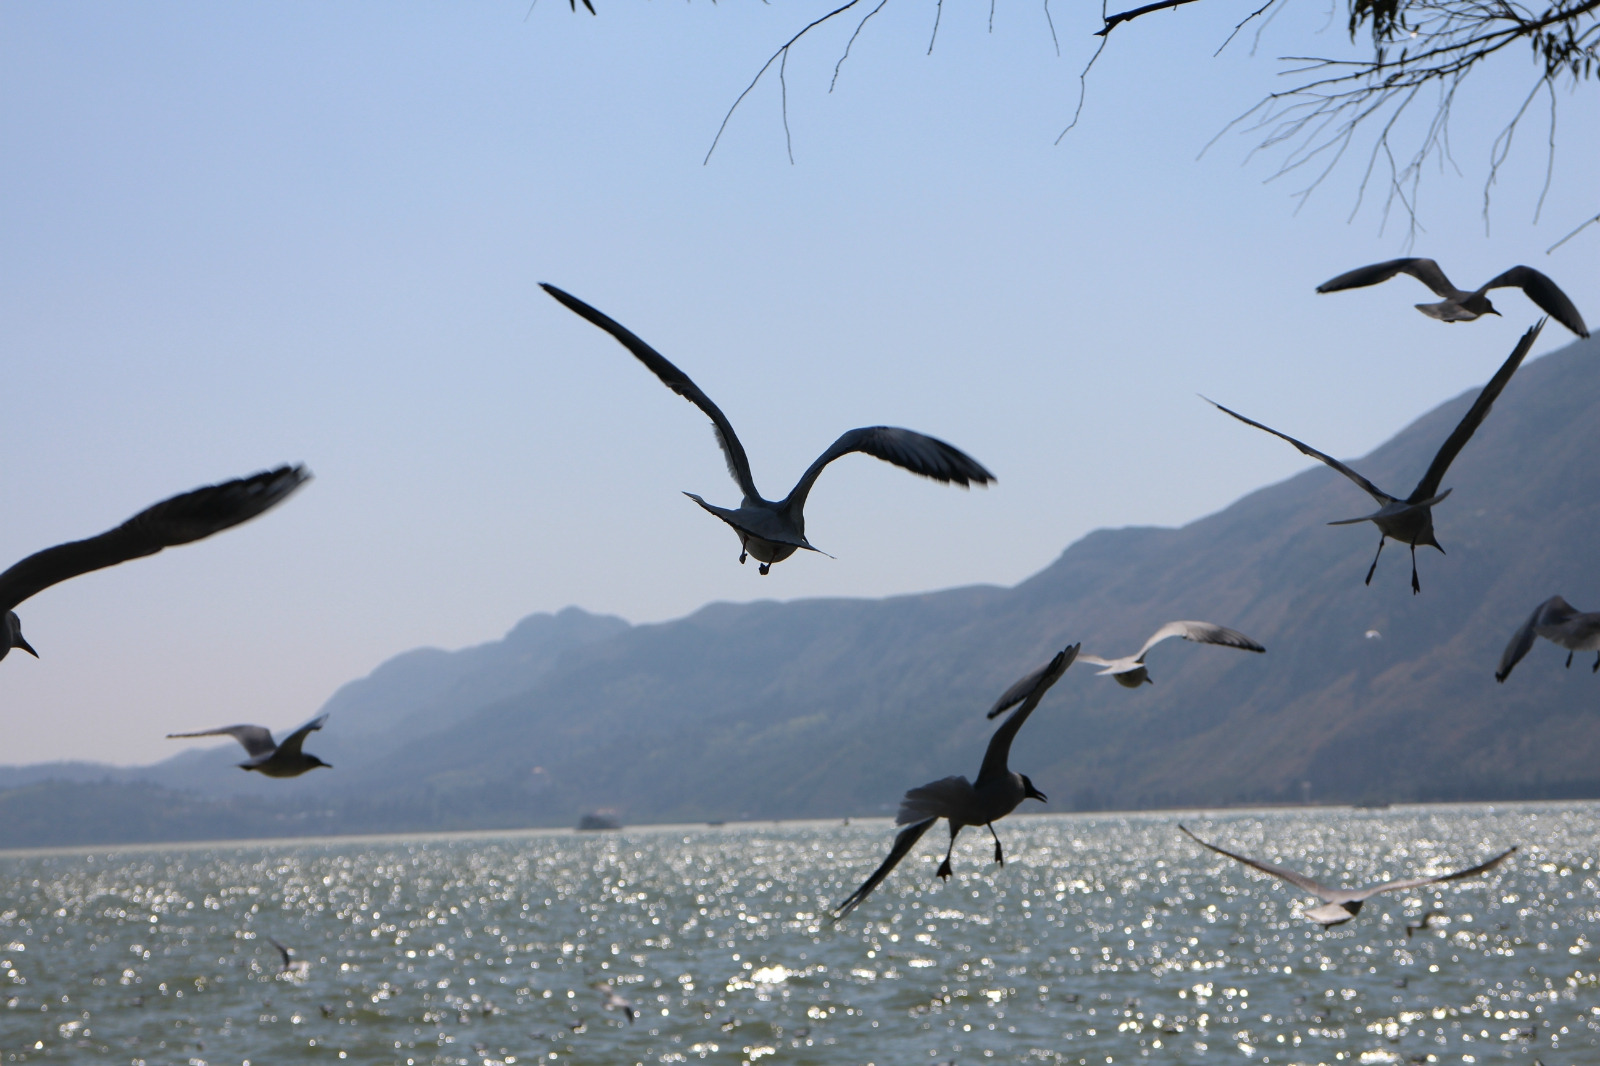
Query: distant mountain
{"x":834,"y":707}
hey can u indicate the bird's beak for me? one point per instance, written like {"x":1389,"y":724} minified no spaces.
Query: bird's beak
{"x":25,"y":646}
{"x":1495,"y":313}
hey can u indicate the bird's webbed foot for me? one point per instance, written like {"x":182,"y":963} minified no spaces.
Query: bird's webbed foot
{"x":766,"y":568}
{"x":1569,"y":660}
{"x":999,"y":855}
{"x":944,"y":872}
{"x":743,"y":556}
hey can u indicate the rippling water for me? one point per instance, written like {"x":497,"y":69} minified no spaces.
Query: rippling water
{"x":1103,"y":940}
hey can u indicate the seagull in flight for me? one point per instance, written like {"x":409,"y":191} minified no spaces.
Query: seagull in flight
{"x":1459,"y":305}
{"x":1129,"y":671}
{"x":291,"y":966}
{"x":611,"y":1000}
{"x":1410,"y":520}
{"x":995,"y":794}
{"x":273,"y":760}
{"x":1339,"y":905}
{"x":179,"y":520}
{"x":1557,"y":621}
{"x":774,"y":530}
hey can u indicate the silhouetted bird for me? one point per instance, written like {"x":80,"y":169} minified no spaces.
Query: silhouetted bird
{"x":273,"y":760}
{"x":995,"y":794}
{"x":1427,"y":920}
{"x":1459,"y":305}
{"x":774,"y":530}
{"x":179,"y":520}
{"x":1557,"y":621}
{"x":1341,"y":904}
{"x":610,"y":1000}
{"x":291,"y":965}
{"x":1129,"y":671}
{"x":1410,"y":520}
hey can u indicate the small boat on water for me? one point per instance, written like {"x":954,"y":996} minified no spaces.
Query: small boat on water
{"x":597,"y":820}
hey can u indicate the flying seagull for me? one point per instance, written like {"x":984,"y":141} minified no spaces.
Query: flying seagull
{"x":996,"y":793}
{"x":1129,"y":671}
{"x":291,"y":965}
{"x":1459,"y":305}
{"x":1341,"y":904}
{"x":1410,"y":521}
{"x":773,"y":530}
{"x":179,"y":520}
{"x":1558,"y":621}
{"x":610,"y":1000}
{"x":1428,"y":918}
{"x":273,"y":760}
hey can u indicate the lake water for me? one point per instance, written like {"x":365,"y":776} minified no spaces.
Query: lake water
{"x":1105,"y":939}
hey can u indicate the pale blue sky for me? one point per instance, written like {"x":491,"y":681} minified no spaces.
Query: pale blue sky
{"x":238,"y":235}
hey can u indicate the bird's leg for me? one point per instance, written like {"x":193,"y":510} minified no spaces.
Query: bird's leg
{"x":1374,"y":565}
{"x":1595,"y":669}
{"x":743,"y":555}
{"x":999,"y":856}
{"x":944,"y":870}
{"x":1416,"y":586}
{"x":1569,"y":660}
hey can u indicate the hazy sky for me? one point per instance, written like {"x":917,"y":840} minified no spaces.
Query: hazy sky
{"x":238,"y":235}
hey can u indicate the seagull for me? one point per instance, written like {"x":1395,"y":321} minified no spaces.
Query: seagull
{"x":1558,"y":621}
{"x":1129,"y":671}
{"x":273,"y":760}
{"x":1410,"y":520}
{"x":291,"y":965}
{"x":179,"y":520}
{"x":1427,"y":920}
{"x":1341,"y":904}
{"x":774,"y":530}
{"x":612,"y":1001}
{"x":1459,"y":305}
{"x":996,"y":793}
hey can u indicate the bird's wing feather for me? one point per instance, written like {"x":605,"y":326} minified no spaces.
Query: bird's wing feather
{"x":174,"y":521}
{"x":1372,"y":490}
{"x":1200,"y":633}
{"x":281,"y":951}
{"x":903,"y":843}
{"x":1019,"y":691}
{"x":936,"y":799}
{"x":998,"y":755}
{"x":257,"y":740}
{"x":905,"y":448}
{"x":1553,"y":611}
{"x":1299,"y":880}
{"x":1424,"y":270}
{"x":672,"y":378}
{"x":1544,"y":292}
{"x":291,"y":743}
{"x":1429,"y":485}
{"x":1417,"y":882}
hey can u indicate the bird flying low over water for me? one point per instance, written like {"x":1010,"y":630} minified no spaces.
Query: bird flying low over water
{"x":995,"y":794}
{"x":1341,"y":904}
{"x":273,"y":760}
{"x":1410,"y":521}
{"x":292,"y":966}
{"x":1129,"y":671}
{"x":1459,"y":305}
{"x":610,"y":999}
{"x":179,"y":520}
{"x":1559,"y":622}
{"x":774,"y":530}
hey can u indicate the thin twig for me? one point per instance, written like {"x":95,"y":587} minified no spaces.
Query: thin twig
{"x":848,"y":44}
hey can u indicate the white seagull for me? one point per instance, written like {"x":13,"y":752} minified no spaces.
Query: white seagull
{"x":1460,"y":305}
{"x":774,"y":530}
{"x":1410,"y":521}
{"x":1341,"y":904}
{"x":178,"y":520}
{"x":995,"y":794}
{"x":1557,"y":621}
{"x":1130,"y":671}
{"x":273,"y":760}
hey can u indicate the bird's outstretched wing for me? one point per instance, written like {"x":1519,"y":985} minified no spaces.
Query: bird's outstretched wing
{"x":590,"y":6}
{"x":1544,"y":292}
{"x":1417,"y":882}
{"x":1019,"y":691}
{"x":1429,"y":485}
{"x":291,"y":743}
{"x":257,"y":740}
{"x":1424,"y":270}
{"x":1551,"y":612}
{"x":905,"y":448}
{"x":1372,"y":490}
{"x":998,"y":755}
{"x":178,"y":520}
{"x":672,"y":378}
{"x":1200,"y":633}
{"x":903,"y":843}
{"x":287,"y":965}
{"x":1299,"y":880}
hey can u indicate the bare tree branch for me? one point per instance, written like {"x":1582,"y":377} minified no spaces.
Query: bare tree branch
{"x":1113,"y":21}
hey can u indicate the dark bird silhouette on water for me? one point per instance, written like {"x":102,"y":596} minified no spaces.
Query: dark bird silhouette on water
{"x":291,"y":965}
{"x":769,"y":530}
{"x":179,"y":520}
{"x":1460,"y":305}
{"x":997,"y":792}
{"x":1341,"y":904}
{"x":273,"y":760}
{"x":1410,"y":520}
{"x":1559,"y":622}
{"x":1428,"y":918}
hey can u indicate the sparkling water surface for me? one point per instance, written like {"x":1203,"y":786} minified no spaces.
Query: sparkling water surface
{"x":1104,"y":939}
